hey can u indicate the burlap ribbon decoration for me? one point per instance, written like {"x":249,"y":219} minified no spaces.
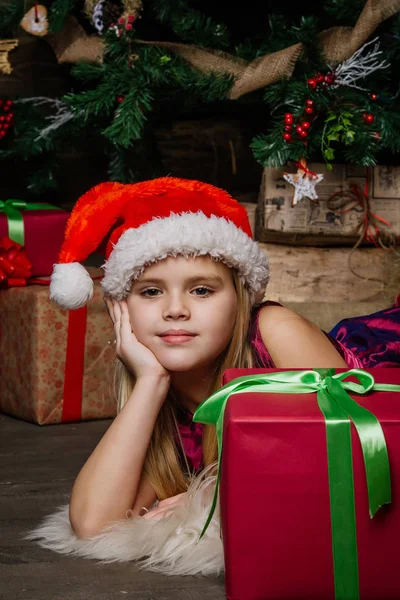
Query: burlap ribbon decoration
{"x":338,"y":43}
{"x":5,"y":47}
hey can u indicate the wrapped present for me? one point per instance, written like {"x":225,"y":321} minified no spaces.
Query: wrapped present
{"x":39,"y":227}
{"x":352,"y":204}
{"x":55,"y":365}
{"x":309,"y":463}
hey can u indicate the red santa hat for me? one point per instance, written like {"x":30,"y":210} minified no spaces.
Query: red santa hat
{"x":152,"y":220}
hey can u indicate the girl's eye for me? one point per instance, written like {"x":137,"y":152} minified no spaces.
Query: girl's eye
{"x":149,"y":293}
{"x":203,"y":291}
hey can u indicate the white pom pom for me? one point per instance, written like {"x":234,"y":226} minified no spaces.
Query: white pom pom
{"x":71,"y":286}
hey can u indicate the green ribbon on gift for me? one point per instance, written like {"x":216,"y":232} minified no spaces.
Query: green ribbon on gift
{"x":13,"y":210}
{"x":338,"y":408}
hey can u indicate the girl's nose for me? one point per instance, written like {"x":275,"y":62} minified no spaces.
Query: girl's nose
{"x":176,"y":308}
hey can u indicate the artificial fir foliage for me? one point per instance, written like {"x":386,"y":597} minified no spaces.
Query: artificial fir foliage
{"x":165,"y":58}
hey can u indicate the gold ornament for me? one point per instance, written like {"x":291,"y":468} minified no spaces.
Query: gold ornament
{"x":5,"y":47}
{"x":35,"y":21}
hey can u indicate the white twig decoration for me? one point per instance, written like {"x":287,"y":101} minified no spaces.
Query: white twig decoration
{"x":57,"y":120}
{"x":358,"y":66}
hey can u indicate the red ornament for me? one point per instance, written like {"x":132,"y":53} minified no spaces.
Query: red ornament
{"x":288,"y":118}
{"x":312,"y":83}
{"x":329,"y":78}
{"x":306,"y":125}
{"x":368,"y":118}
{"x":374,"y":96}
{"x":6,"y":119}
{"x":309,"y":110}
{"x":309,"y":102}
{"x":120,"y":99}
{"x":287,"y":136}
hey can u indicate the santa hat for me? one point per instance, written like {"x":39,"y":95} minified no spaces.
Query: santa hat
{"x":152,"y":220}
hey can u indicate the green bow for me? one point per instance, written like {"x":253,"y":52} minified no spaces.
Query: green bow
{"x":338,"y":408}
{"x":13,"y":211}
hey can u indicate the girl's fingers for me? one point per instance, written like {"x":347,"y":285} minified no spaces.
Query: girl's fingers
{"x":117,"y":321}
{"x":110,"y":309}
{"x":126,"y":328}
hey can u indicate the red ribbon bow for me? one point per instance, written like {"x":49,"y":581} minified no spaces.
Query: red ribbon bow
{"x":15,"y":267}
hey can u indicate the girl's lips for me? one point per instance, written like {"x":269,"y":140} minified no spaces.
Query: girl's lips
{"x":177,"y":339}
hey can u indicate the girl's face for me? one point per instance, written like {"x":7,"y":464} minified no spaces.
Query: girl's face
{"x":194,"y":297}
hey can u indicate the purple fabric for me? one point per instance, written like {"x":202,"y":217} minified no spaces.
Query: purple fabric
{"x":374,"y":339}
{"x":363,"y":342}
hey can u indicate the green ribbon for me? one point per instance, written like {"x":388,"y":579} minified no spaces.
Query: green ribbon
{"x":13,"y":210}
{"x":338,"y":408}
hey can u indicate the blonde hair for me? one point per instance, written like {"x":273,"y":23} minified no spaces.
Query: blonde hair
{"x":162,"y":465}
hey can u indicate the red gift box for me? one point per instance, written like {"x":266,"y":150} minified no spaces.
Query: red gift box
{"x":275,"y":497}
{"x":42,"y":231}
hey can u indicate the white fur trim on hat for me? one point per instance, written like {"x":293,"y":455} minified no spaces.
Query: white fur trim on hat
{"x":187,"y":234}
{"x":71,"y":285}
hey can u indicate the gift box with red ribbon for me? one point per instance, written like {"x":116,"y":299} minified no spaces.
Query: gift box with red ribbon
{"x":38,"y":227}
{"x":309,"y":482}
{"x":55,"y":365}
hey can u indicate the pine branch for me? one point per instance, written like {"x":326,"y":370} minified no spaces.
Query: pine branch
{"x":11,"y":12}
{"x":130,"y":117}
{"x":58,"y":13}
{"x":190,"y":25}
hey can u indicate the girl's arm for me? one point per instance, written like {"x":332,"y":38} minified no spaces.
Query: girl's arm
{"x":108,"y":483}
{"x":295,"y":342}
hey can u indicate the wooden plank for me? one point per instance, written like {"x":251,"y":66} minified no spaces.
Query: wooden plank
{"x":39,"y":465}
{"x":304,"y":274}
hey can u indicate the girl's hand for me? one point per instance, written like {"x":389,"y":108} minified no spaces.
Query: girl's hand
{"x":137,"y":358}
{"x":162,"y":507}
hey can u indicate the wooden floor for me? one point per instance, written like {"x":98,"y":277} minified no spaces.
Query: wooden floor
{"x":37,"y":468}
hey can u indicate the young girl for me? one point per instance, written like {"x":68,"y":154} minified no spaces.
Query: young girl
{"x":183,"y":284}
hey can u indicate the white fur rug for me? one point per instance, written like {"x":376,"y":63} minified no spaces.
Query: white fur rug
{"x":168,"y":545}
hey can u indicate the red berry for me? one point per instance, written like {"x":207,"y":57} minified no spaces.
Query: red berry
{"x":374,"y":96}
{"x":6,"y":107}
{"x":319,"y":78}
{"x":312,"y":83}
{"x":309,"y":102}
{"x":288,"y":128}
{"x":299,"y":129}
{"x":306,"y":125}
{"x":131,"y":18}
{"x":121,"y":21}
{"x":128,"y":26}
{"x":120,"y":99}
{"x":309,"y":110}
{"x":368,"y":118}
{"x":329,"y":78}
{"x":288,"y":118}
{"x":287,"y":136}
{"x":303,"y":133}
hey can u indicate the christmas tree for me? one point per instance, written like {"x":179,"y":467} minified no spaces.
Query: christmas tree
{"x":326,"y":82}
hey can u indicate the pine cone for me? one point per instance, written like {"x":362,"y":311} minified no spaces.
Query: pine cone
{"x":111,"y":13}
